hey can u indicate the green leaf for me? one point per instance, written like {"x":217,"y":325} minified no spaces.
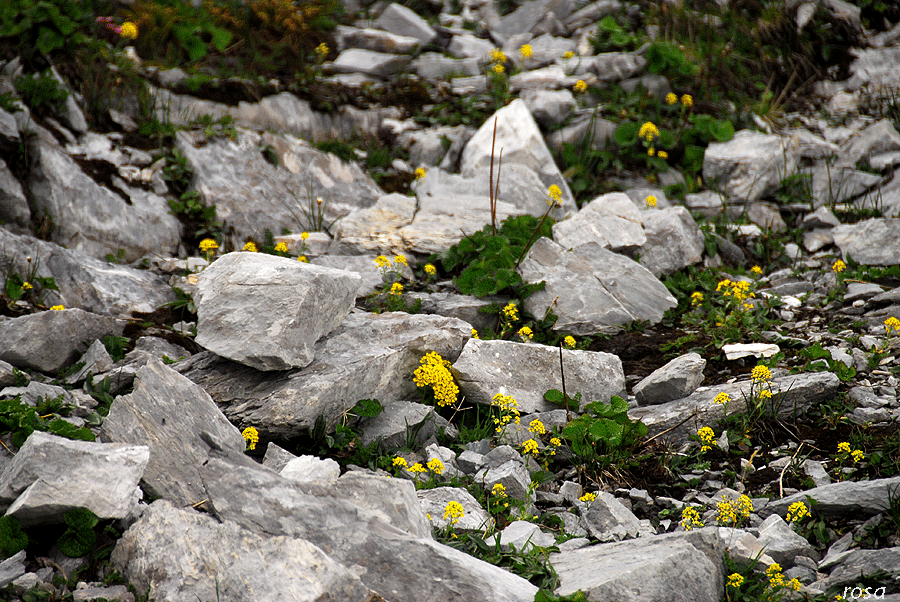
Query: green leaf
{"x":81,"y":519}
{"x":626,"y":134}
{"x":220,"y":38}
{"x":721,"y":130}
{"x":75,"y":544}
{"x":12,"y":538}
{"x":368,"y":408}
{"x":554,"y":396}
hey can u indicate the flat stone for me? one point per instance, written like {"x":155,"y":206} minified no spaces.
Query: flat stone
{"x":675,"y":380}
{"x":611,"y":221}
{"x":751,"y":165}
{"x":870,"y":242}
{"x":400,"y":20}
{"x":375,"y":39}
{"x":434,"y":503}
{"x":399,"y":420}
{"x":523,"y":536}
{"x":311,"y":469}
{"x":674,"y":240}
{"x":369,"y":62}
{"x":607,"y":519}
{"x":847,"y":498}
{"x":782,"y":543}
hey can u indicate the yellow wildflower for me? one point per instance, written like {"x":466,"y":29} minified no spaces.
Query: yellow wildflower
{"x":281,"y":248}
{"x":536,"y":426}
{"x":510,"y":312}
{"x":756,"y":270}
{"x":690,"y":518}
{"x":498,"y":68}
{"x":129,"y":30}
{"x":474,"y":334}
{"x":687,"y":100}
{"x":251,"y":247}
{"x":303,"y":259}
{"x":498,"y":56}
{"x":555,"y":441}
{"x":430,"y":269}
{"x":568,"y":54}
{"x":322,"y":50}
{"x":530,"y":447}
{"x":735,"y":580}
{"x":696,"y":298}
{"x":26,"y":286}
{"x":396,"y":289}
{"x":671,"y":98}
{"x":839,"y":266}
{"x":651,"y":151}
{"x":891,"y":324}
{"x":651,"y":201}
{"x":434,"y":372}
{"x":722,"y":398}
{"x":796,"y":511}
{"x":499,"y":490}
{"x":57,"y":308}
{"x":794,"y":584}
{"x":454,"y":511}
{"x":382,"y":262}
{"x":420,"y":173}
{"x":401,"y":462}
{"x":706,"y":435}
{"x":843,"y":446}
{"x":765,"y":394}
{"x":435,"y":465}
{"x":526,"y":334}
{"x":417,"y":468}
{"x":858,"y":455}
{"x":761,"y":373}
{"x":776,"y":577}
{"x":648,"y":131}
{"x":588,"y":497}
{"x":400,"y":259}
{"x":208,"y":244}
{"x":304,"y":236}
{"x":251,"y":436}
{"x":569,"y":341}
{"x":662,"y":154}
{"x":526,"y":51}
{"x":555,"y":194}
{"x":580,"y":87}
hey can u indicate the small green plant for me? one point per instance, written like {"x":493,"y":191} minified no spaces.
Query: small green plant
{"x":32,"y":288}
{"x":745,"y":583}
{"x":20,"y":420}
{"x":42,"y":93}
{"x":79,"y":538}
{"x":612,"y":37}
{"x":44,"y":27}
{"x":12,"y":538}
{"x":116,"y":346}
{"x":818,"y":359}
{"x":198,"y":218}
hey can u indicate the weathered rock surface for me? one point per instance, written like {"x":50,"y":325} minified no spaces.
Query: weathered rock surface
{"x":368,"y":356}
{"x":673,"y":240}
{"x":856,"y":497}
{"x":870,"y":242}
{"x":751,"y":165}
{"x":267,"y":312}
{"x":676,"y":380}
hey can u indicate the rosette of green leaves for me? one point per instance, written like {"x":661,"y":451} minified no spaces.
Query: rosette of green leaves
{"x":79,"y":538}
{"x":12,"y":538}
{"x":604,"y":434}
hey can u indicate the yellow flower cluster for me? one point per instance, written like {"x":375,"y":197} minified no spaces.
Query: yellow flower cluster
{"x":498,"y":56}
{"x":892,"y":324}
{"x":732,"y":511}
{"x":57,"y":308}
{"x":690,"y":518}
{"x":740,"y":289}
{"x":304,"y":236}
{"x":797,"y":511}
{"x":651,"y":201}
{"x":569,"y":341}
{"x":474,"y":334}
{"x":510,"y":312}
{"x":554,"y":194}
{"x":588,"y":497}
{"x":530,"y":447}
{"x":735,"y":580}
{"x":555,"y":441}
{"x":417,"y":468}
{"x":843,"y":446}
{"x":858,"y":455}
{"x":435,"y":373}
{"x":536,"y":426}
{"x":757,"y":270}
{"x":508,"y":408}
{"x":435,"y":466}
{"x":129,"y":30}
{"x":420,"y":173}
{"x":696,"y":298}
{"x":281,"y":248}
{"x":568,"y":54}
{"x":396,"y":289}
{"x":26,"y":286}
{"x":430,"y":269}
{"x":498,"y":68}
{"x":382,"y":262}
{"x":580,"y":87}
{"x":251,"y":436}
{"x":662,"y":154}
{"x":761,"y":373}
{"x":499,"y":490}
{"x":765,"y":394}
{"x":648,"y":131}
{"x":722,"y":398}
{"x":707,"y":436}
{"x":208,"y":244}
{"x":401,"y":462}
{"x":251,"y":247}
{"x":671,"y":98}
{"x":687,"y":100}
{"x":454,"y":511}
{"x":838,"y":266}
{"x":400,"y":260}
{"x":526,"y":51}
{"x":526,"y":334}
{"x":776,"y":577}
{"x":322,"y":50}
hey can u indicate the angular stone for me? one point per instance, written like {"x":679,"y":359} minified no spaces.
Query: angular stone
{"x":870,"y":242}
{"x":369,"y":62}
{"x":436,"y":66}
{"x":607,"y":519}
{"x":523,"y":536}
{"x":23,"y":340}
{"x":171,"y":415}
{"x":880,"y":137}
{"x":847,"y":498}
{"x":592,"y":290}
{"x":849,"y":565}
{"x":782,"y":543}
{"x":398,"y":19}
{"x":252,"y":195}
{"x":434,"y":503}
{"x":766,"y":216}
{"x":15,"y":213}
{"x":398,"y":421}
{"x":596,"y":132}
{"x":267,"y":312}
{"x":465,"y":307}
{"x":51,"y":475}
{"x":611,"y":221}
{"x":522,"y":142}
{"x":831,"y":185}
{"x":641,"y":570}
{"x":527,"y":371}
{"x":375,"y":229}
{"x":751,"y":165}
{"x":96,"y":360}
{"x":12,"y":568}
{"x":552,"y":77}
{"x":390,"y":560}
{"x":530,"y":16}
{"x":112,"y":593}
{"x":616,"y":66}
{"x":674,"y":240}
{"x":549,"y":107}
{"x":797,"y":394}
{"x":311,"y":469}
{"x":276,"y":457}
{"x":85,"y":282}
{"x":820,"y":218}
{"x":676,"y":380}
{"x":93,"y":219}
{"x":374,"y":39}
{"x":368,"y":357}
{"x":513,"y":475}
{"x":465,"y":45}
{"x":182,"y":556}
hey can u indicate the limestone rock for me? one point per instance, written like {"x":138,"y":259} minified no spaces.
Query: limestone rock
{"x":607,"y":519}
{"x":676,"y":380}
{"x":400,"y":20}
{"x":369,"y":62}
{"x":267,"y":312}
{"x":751,"y":165}
{"x":674,"y":240}
{"x":434,"y":503}
{"x":870,"y":242}
{"x":850,"y":498}
{"x":611,"y":221}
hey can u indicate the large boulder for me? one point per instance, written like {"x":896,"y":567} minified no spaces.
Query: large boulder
{"x":751,"y":165}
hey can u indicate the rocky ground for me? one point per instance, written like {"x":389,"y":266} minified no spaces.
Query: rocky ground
{"x":480,"y":301}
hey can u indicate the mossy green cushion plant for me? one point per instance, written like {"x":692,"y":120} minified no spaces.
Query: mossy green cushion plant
{"x":12,"y":538}
{"x":79,"y":538}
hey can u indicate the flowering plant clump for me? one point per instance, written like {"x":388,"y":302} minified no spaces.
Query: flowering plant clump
{"x":526,"y":51}
{"x":208,"y":247}
{"x":587,"y":498}
{"x":530,"y":447}
{"x":281,"y":248}
{"x":57,"y":308}
{"x":419,"y":173}
{"x":761,"y":374}
{"x":797,"y":511}
{"x":434,"y":372}
{"x":735,"y":580}
{"x":580,"y":87}
{"x":846,"y":455}
{"x":250,"y":247}
{"x":537,"y":427}
{"x":525,"y":333}
{"x":251,"y":436}
{"x":707,"y":437}
{"x":453,"y":512}
{"x":838,"y":266}
{"x":651,"y":201}
{"x":569,"y":342}
{"x":734,"y":512}
{"x":435,"y":465}
{"x":690,"y":518}
{"x":417,"y":469}
{"x":506,"y":410}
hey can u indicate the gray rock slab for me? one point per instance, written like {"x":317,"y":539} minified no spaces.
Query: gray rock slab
{"x":591,"y":289}
{"x":832,"y":185}
{"x":782,"y":543}
{"x":375,"y":229}
{"x":797,"y":394}
{"x":267,"y":312}
{"x":870,"y":242}
{"x":850,"y":565}
{"x":369,"y":62}
{"x":616,"y":66}
{"x":434,"y":503}
{"x":374,"y":39}
{"x":169,"y":413}
{"x":642,"y":570}
{"x":112,"y":593}
{"x":522,"y":142}
{"x":368,"y":356}
{"x":389,"y":560}
{"x":530,"y":16}
{"x":675,"y":380}
{"x":674,"y":240}
{"x":822,"y":217}
{"x":549,"y":107}
{"x":847,"y":498}
{"x":751,"y":165}
{"x":399,"y":420}
{"x":12,"y":568}
{"x":464,"y":307}
{"x":95,"y":219}
{"x":96,"y":360}
{"x":465,"y":45}
{"x":15,"y":213}
{"x":51,"y":475}
{"x":7,"y":374}
{"x":594,"y":131}
{"x":607,"y":519}
{"x":182,"y":556}
{"x":611,"y":221}
{"x":526,"y":371}
{"x":512,"y":474}
{"x":396,"y":499}
{"x":879,"y":137}
{"x":523,"y":536}
{"x":276,"y":457}
{"x":23,"y":340}
{"x":436,"y":66}
{"x":85,"y":282}
{"x":400,"y":20}
{"x":552,"y":77}
{"x":251,"y":194}
{"x":311,"y":469}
